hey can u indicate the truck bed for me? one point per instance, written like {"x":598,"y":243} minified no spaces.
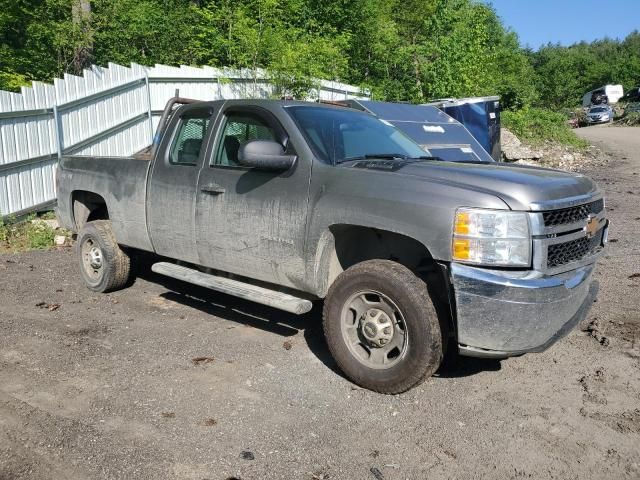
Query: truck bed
{"x":120,"y":181}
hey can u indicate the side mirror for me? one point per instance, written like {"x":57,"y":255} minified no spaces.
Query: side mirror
{"x":265,"y":155}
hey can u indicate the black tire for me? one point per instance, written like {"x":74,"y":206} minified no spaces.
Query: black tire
{"x":423,"y":348}
{"x":97,"y":245}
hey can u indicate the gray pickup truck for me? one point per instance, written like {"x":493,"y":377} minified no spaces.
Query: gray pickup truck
{"x":287,"y":203}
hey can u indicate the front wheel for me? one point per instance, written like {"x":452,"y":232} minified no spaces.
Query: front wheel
{"x":381,"y":327}
{"x":104,"y":267}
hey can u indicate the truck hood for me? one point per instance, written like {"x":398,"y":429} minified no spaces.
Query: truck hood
{"x":518,"y":186}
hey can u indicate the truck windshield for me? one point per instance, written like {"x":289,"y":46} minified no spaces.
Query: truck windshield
{"x":340,"y":135}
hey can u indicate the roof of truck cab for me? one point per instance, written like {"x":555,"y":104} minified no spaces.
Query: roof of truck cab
{"x":267,"y":103}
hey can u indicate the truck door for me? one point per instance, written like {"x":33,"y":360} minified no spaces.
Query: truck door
{"x":251,"y":222}
{"x":171,"y":192}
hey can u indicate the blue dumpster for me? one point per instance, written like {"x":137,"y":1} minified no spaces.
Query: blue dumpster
{"x":437,"y":132}
{"x":481,"y":116}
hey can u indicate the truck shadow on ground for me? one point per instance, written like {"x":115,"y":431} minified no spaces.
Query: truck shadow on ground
{"x":286,"y":324}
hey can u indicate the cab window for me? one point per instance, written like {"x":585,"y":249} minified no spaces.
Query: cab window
{"x":240,"y":128}
{"x":188,"y":141}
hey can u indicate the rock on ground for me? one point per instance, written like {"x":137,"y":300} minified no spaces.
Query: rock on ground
{"x":550,"y":154}
{"x":513,"y":149}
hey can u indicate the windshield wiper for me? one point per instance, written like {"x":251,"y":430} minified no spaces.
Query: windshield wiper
{"x":387,"y":156}
{"x":426,"y":157}
{"x":376,"y":156}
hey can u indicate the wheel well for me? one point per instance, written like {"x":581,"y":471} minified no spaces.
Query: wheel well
{"x":347,"y":245}
{"x":88,"y":206}
{"x":354,"y":244}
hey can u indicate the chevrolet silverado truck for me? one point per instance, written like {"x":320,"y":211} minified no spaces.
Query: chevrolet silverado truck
{"x":286,"y":203}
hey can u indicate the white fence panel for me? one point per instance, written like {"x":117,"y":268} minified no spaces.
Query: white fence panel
{"x":105,"y":120}
{"x":108,"y":111}
{"x":26,"y":148}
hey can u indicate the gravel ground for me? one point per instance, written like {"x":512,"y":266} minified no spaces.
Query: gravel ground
{"x":165,"y":380}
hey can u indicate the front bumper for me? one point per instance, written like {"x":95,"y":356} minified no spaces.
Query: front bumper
{"x":502,"y":314}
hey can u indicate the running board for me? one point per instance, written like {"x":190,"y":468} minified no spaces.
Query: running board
{"x":253,"y":293}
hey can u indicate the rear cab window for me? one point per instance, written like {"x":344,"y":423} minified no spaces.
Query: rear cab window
{"x":189,"y":138}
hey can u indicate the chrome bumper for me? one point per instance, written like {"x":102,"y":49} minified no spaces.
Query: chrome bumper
{"x":502,"y":314}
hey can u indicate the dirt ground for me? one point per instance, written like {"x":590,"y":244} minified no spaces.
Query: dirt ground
{"x":164,"y":380}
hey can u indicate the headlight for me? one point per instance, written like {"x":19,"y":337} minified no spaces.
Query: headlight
{"x":491,"y":237}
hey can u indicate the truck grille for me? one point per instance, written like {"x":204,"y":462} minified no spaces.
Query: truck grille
{"x":573,"y":250}
{"x":569,"y":215}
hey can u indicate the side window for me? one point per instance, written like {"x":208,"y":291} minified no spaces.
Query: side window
{"x":240,"y":128}
{"x":188,"y":141}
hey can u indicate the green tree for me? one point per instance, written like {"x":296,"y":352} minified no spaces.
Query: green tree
{"x":565,"y":74}
{"x":144,"y":31}
{"x":410,"y":50}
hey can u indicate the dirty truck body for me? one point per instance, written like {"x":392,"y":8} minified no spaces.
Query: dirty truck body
{"x":285,"y":203}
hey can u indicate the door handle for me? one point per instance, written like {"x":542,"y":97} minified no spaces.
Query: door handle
{"x":213,"y":189}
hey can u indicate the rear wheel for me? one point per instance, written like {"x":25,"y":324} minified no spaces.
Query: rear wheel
{"x":382,"y":328}
{"x":104,"y":267}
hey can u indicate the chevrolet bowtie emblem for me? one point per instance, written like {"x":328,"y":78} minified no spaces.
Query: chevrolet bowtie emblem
{"x":591,"y":228}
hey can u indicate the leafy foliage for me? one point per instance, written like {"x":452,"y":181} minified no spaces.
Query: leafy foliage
{"x":564,"y":74}
{"x":631,"y":119}
{"x":536,"y":125}
{"x":4,"y":231}
{"x":402,"y":50}
{"x":31,"y":233}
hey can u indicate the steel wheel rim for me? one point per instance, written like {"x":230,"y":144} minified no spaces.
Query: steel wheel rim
{"x":92,"y":260}
{"x":374,"y":329}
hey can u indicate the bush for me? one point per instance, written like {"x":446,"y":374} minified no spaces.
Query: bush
{"x":39,"y":235}
{"x":30,"y":234}
{"x":632,"y":119}
{"x":538,"y":125}
{"x":4,"y":231}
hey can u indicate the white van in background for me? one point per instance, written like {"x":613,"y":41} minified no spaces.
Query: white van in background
{"x":612,"y":93}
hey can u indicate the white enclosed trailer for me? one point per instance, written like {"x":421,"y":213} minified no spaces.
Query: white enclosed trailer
{"x":613,"y":93}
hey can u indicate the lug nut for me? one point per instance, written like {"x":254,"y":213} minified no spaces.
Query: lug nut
{"x":387,"y":331}
{"x":372,"y":313}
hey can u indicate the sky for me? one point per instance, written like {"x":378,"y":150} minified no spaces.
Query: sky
{"x":538,"y":22}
